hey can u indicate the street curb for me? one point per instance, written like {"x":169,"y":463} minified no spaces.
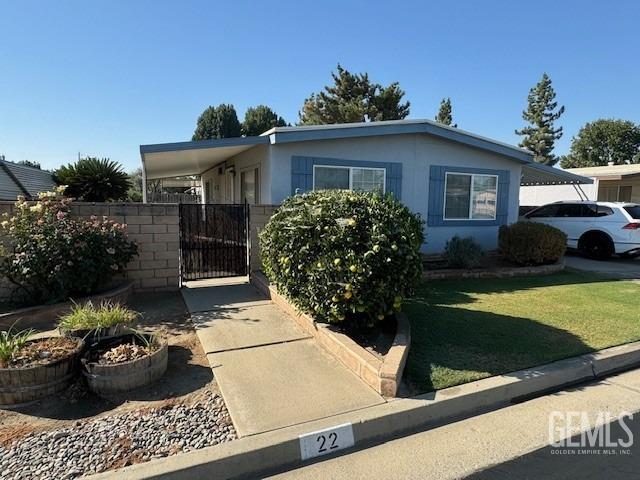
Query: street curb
{"x":280,"y":449}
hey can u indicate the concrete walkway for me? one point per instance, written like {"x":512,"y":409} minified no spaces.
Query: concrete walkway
{"x":271,"y":374}
{"x":622,"y":268}
{"x":511,"y":443}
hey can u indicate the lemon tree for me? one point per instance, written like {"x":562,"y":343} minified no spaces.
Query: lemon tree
{"x":343,"y":256}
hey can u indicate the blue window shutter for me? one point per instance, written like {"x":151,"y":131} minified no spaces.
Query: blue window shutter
{"x":436,"y":195}
{"x":437,"y":175}
{"x":301,"y":174}
{"x":502,"y":209}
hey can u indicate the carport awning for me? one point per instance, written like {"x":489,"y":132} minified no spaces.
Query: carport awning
{"x":538,"y":174}
{"x":192,"y":158}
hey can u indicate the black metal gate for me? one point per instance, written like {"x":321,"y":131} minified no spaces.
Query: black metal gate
{"x":213,"y":241}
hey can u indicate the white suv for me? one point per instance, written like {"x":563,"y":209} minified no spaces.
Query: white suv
{"x":599,"y":229}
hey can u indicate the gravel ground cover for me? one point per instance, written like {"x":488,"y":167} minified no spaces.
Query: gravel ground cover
{"x":77,"y":433}
{"x":109,"y":442}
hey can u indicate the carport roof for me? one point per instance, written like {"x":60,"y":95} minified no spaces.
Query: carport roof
{"x":193,"y":158}
{"x":538,"y":174}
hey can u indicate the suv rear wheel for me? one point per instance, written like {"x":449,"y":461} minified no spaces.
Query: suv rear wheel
{"x":596,"y":245}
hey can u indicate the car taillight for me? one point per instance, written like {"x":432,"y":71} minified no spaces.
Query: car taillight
{"x":632,"y":226}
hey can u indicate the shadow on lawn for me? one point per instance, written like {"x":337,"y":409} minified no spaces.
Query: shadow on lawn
{"x":452,"y":345}
{"x":459,"y":291}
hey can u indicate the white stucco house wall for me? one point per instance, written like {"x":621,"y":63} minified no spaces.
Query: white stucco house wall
{"x":460,"y":183}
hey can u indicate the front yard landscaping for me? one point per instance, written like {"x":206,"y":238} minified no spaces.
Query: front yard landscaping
{"x":465,"y":330}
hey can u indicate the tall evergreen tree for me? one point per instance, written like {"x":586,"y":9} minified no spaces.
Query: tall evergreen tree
{"x":354,"y":98}
{"x":541,"y":113}
{"x":444,"y":115}
{"x":259,"y":119}
{"x":217,"y":122}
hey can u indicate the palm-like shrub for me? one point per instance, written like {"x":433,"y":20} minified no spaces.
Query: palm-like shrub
{"x":342,"y":256}
{"x":93,"y":180}
{"x":51,"y":256}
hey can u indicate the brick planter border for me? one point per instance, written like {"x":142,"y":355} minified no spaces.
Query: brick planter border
{"x":46,"y":316}
{"x":383,"y":376}
{"x":504,"y":272}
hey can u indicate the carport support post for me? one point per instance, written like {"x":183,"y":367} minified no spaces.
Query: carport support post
{"x":144,"y":184}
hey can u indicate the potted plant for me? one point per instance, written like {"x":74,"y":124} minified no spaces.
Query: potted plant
{"x":121,"y":364}
{"x":31,"y":369}
{"x":90,"y":322}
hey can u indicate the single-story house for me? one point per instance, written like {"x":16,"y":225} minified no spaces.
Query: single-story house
{"x":17,"y":179}
{"x":461,"y":183}
{"x":611,"y":183}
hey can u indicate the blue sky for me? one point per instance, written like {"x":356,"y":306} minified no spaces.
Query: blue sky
{"x":103,"y":77}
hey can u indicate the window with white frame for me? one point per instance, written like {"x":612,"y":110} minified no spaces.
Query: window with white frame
{"x":348,"y":178}
{"x":470,"y":196}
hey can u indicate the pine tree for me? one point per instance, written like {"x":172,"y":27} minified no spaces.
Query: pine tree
{"x":444,"y":115}
{"x":259,"y":119}
{"x":217,"y":122}
{"x":541,"y":113}
{"x":354,"y":98}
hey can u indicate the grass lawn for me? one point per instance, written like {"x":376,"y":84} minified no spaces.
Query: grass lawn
{"x":464,"y":330}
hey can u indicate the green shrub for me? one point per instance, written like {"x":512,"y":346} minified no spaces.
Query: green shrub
{"x":463,"y":253}
{"x":11,"y":341}
{"x":530,"y":243}
{"x":343,"y":256}
{"x":90,"y":317}
{"x":51,"y":256}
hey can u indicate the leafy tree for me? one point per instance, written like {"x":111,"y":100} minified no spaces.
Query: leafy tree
{"x":259,"y":119}
{"x":93,"y":180}
{"x":444,"y":115}
{"x":30,"y":163}
{"x":603,"y":141}
{"x":134,"y":193}
{"x":541,"y":113}
{"x":354,"y":98}
{"x":217,"y":122}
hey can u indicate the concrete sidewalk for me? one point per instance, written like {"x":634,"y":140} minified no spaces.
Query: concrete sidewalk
{"x":271,"y":373}
{"x":509,"y":443}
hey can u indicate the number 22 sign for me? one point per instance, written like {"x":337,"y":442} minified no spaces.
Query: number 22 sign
{"x":326,"y":441}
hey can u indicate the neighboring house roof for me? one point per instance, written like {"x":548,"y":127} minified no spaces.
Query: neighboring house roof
{"x":612,"y":172}
{"x":182,"y":158}
{"x":18,"y":179}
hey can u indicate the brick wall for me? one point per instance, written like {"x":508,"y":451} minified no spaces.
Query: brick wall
{"x":153,"y":226}
{"x":259,"y":215}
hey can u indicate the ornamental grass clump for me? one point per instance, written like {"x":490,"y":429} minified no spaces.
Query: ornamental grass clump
{"x":90,"y":317}
{"x":50,"y":256}
{"x":344,"y":257}
{"x":11,"y":342}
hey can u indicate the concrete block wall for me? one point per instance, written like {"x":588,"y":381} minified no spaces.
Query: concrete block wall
{"x":154,"y":227}
{"x":259,"y":215}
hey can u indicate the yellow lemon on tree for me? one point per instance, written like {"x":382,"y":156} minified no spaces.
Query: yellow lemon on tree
{"x":348,"y":295}
{"x":353,"y":268}
{"x":337,"y":261}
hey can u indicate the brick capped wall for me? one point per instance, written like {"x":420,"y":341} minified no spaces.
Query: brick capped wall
{"x":155,"y":229}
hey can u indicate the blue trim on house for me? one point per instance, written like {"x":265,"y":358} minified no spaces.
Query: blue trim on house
{"x":435,"y":216}
{"x":302,"y":172}
{"x":195,"y":145}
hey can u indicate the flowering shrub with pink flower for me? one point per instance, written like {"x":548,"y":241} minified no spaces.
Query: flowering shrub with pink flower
{"x":52,"y":257}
